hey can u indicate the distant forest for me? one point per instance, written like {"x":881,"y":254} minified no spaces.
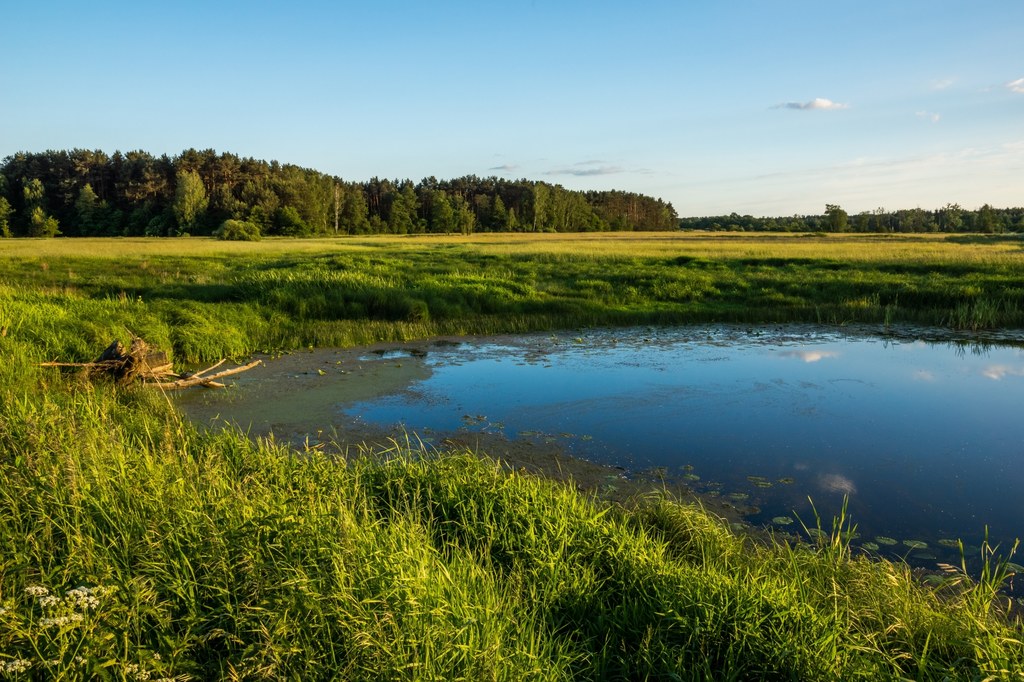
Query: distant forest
{"x":949,"y":218}
{"x":90,"y":193}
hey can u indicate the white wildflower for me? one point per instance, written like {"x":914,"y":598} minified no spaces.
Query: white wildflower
{"x":18,"y":665}
{"x":49,"y":600}
{"x":137,"y":672}
{"x":61,"y":621}
{"x":36,"y":591}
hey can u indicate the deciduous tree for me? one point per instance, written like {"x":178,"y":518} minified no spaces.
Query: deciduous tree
{"x":190,"y":200}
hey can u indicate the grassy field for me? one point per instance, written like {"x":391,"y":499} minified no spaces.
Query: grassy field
{"x":138,"y":548}
{"x":207,"y":299}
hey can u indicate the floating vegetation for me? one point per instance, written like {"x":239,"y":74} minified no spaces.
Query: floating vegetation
{"x":782,"y":520}
{"x":472,"y":420}
{"x":691,"y":477}
{"x":883,"y":540}
{"x":687,"y":467}
{"x":1015,"y":568}
{"x":758,"y":479}
{"x":786,"y":480}
{"x":947,"y":542}
{"x":763,"y":484}
{"x":927,"y":556}
{"x":916,"y":544}
{"x":817,"y":533}
{"x":870,"y":546}
{"x":739,"y":497}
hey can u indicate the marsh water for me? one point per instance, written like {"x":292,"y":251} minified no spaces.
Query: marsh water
{"x":925,"y":439}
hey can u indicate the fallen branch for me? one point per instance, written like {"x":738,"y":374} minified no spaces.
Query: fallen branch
{"x":149,"y":366}
{"x":198,"y":379}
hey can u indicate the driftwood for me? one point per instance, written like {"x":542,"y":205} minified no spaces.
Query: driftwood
{"x":151,"y":367}
{"x":200,"y":378}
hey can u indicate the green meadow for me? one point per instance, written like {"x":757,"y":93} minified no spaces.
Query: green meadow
{"x":136,"y":547}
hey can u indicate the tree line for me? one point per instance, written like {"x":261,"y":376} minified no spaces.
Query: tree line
{"x":949,"y":218}
{"x":90,"y":193}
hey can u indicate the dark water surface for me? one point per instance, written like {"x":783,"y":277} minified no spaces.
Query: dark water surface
{"x":926,"y":440}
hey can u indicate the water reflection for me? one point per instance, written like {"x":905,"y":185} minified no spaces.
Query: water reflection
{"x":924,"y":439}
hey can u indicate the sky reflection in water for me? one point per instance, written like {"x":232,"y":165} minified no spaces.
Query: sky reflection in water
{"x":925,"y":439}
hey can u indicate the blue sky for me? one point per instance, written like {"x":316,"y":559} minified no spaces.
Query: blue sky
{"x":767,"y":108}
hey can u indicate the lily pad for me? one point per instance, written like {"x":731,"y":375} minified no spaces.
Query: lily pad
{"x":883,"y":540}
{"x":782,"y":520}
{"x":738,"y":496}
{"x":817,"y":533}
{"x":756,"y":479}
{"x":763,"y":484}
{"x":786,"y":480}
{"x":916,"y":544}
{"x":691,"y":477}
{"x":952,"y":544}
{"x":870,"y":546}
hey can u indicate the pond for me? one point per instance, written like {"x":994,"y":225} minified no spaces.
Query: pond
{"x":923,"y":438}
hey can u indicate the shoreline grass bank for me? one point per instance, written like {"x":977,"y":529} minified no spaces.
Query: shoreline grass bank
{"x":143,"y":548}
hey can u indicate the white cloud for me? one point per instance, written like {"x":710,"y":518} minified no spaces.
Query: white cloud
{"x":818,"y":103}
{"x":837,"y":483}
{"x":998,"y":372}
{"x":929,"y":115}
{"x":942,"y":83}
{"x":1016,"y":86}
{"x":586,"y":169}
{"x":809,"y":355}
{"x":504,"y":168}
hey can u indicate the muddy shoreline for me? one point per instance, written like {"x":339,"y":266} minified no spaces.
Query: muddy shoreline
{"x":308,"y":386}
{"x":301,"y":397}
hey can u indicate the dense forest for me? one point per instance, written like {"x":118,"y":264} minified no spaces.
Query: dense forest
{"x":949,"y":218}
{"x":90,"y":193}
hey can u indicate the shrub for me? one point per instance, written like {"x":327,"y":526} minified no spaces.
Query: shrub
{"x":238,"y":230}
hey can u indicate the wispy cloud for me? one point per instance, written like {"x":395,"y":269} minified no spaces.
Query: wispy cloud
{"x":929,"y":115}
{"x":504,"y":168}
{"x":584,"y":169}
{"x":1016,"y":86}
{"x":809,"y":355}
{"x":942,"y":83}
{"x":818,"y":104}
{"x":999,"y":372}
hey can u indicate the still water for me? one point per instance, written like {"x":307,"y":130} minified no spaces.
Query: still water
{"x":924,"y":439}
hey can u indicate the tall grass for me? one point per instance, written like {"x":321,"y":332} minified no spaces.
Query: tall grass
{"x":209,"y":556}
{"x":138,"y":548}
{"x":208,"y":299}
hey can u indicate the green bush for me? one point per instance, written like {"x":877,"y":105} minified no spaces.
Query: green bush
{"x":238,"y":231}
